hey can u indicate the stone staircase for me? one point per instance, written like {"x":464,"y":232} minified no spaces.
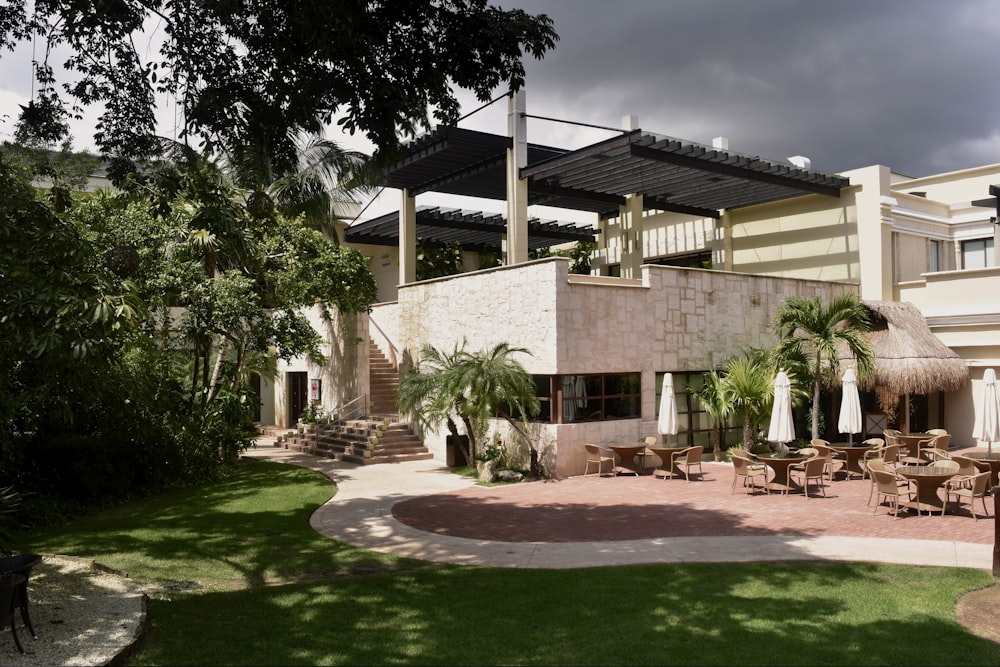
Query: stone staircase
{"x":383,"y":380}
{"x":378,"y":438}
{"x":362,"y":441}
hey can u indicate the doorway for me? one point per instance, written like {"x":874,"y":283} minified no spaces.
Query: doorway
{"x":298,"y":395}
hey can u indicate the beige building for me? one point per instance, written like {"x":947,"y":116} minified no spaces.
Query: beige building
{"x":697,"y":246}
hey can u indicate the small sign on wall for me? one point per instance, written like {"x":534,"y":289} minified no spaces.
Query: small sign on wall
{"x":315,"y":389}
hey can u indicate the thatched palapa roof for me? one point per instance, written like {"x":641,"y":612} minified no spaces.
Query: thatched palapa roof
{"x":909,"y":359}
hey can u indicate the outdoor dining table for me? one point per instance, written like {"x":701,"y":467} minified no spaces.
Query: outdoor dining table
{"x":780,"y":465}
{"x":853,"y":453}
{"x":666,"y":455}
{"x":928,"y":479}
{"x":627,"y":464}
{"x":986,"y":461}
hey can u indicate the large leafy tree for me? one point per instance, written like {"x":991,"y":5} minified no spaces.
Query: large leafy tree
{"x":808,"y":330}
{"x":270,"y":68}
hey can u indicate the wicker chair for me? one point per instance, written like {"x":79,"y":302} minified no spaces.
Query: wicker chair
{"x":877,"y":447}
{"x":687,"y":459}
{"x":834,"y":460}
{"x":966,"y":467}
{"x":598,"y":455}
{"x":744,"y":467}
{"x":889,"y":488}
{"x":880,"y":465}
{"x":970,"y":488}
{"x":813,"y":469}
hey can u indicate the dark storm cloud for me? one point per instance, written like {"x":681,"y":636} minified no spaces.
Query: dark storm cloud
{"x":912,"y":85}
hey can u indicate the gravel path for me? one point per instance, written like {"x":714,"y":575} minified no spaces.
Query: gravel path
{"x":83,"y":615}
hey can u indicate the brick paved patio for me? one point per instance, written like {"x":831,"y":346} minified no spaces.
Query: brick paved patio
{"x":624,"y":508}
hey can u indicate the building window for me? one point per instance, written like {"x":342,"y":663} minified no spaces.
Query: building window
{"x":694,"y":425}
{"x":934,"y":256}
{"x":697,"y":260}
{"x":568,"y":399}
{"x":978,"y":254}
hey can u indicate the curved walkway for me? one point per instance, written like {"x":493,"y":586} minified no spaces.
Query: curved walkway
{"x":361,"y":514}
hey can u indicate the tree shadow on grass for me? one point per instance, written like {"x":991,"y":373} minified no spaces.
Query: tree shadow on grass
{"x":691,"y":614}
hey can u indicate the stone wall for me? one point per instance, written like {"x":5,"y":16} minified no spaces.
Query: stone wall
{"x":673,"y":319}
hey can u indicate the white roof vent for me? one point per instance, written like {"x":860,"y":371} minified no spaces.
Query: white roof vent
{"x":800,"y":161}
{"x":720,"y":143}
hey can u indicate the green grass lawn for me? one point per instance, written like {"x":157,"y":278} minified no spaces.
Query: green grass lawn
{"x":260,"y":587}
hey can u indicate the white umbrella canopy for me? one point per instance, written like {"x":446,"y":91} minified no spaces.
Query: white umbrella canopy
{"x":781,"y":429}
{"x":666,"y":423}
{"x":987,"y":426}
{"x":850,"y":406}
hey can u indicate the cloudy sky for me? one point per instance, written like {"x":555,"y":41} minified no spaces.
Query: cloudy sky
{"x":912,"y":84}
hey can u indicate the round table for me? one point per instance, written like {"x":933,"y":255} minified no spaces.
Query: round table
{"x":626,"y":458}
{"x":853,"y":453}
{"x":928,"y":479}
{"x":986,"y":461}
{"x":666,"y":455}
{"x":781,"y":480}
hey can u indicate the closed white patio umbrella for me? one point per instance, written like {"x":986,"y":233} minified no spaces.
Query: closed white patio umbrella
{"x":781,"y":429}
{"x":850,"y":407}
{"x":987,"y":427}
{"x":666,"y":423}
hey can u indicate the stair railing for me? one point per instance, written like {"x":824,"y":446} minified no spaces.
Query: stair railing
{"x":354,"y":408}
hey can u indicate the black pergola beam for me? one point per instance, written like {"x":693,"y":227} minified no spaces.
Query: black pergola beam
{"x":664,"y":205}
{"x":734,"y":171}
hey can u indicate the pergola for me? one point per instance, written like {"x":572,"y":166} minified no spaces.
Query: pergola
{"x":621,"y":176}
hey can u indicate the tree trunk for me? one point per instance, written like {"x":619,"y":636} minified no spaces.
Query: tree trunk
{"x":815,"y":414}
{"x":534,"y":468}
{"x":217,"y":370}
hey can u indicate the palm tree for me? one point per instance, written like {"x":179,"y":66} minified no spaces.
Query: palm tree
{"x":806,"y":329}
{"x":313,"y":183}
{"x":470,"y":387}
{"x":716,"y":401}
{"x":749,"y":378}
{"x":422,"y":391}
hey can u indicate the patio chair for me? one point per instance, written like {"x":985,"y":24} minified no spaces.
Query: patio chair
{"x":880,"y":465}
{"x":597,"y":455}
{"x":834,"y":460}
{"x":689,"y":458}
{"x":809,"y":453}
{"x":813,"y":469}
{"x":966,"y":467}
{"x":746,"y":468}
{"x":889,"y":488}
{"x":21,"y":564}
{"x":946,"y":463}
{"x":971,"y":488}
{"x":9,"y":585}
{"x":935,"y":455}
{"x":891,"y":437}
{"x":937,"y":431}
{"x":877,"y":446}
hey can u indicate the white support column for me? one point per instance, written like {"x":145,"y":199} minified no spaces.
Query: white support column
{"x":407,"y":238}
{"x":631,"y":257}
{"x":517,"y":187}
{"x":725,"y":224}
{"x":996,"y":244}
